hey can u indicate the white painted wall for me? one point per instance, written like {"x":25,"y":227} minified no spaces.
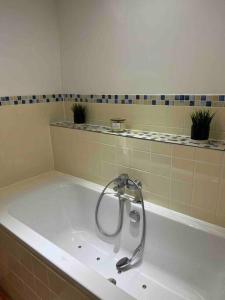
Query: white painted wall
{"x":29,"y":47}
{"x":143,"y":46}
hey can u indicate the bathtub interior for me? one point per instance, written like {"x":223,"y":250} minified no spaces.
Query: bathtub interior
{"x":180,"y":261}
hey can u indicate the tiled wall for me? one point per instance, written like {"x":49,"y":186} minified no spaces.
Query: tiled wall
{"x":25,"y":120}
{"x":160,"y":118}
{"x":187,"y":179}
{"x":28,"y":151}
{"x":162,"y":113}
{"x":25,"y":143}
{"x":25,"y":276}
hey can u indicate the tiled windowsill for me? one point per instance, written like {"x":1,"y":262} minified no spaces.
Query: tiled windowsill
{"x":145,"y":135}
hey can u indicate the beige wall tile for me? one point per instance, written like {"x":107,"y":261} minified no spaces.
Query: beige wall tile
{"x":173,"y":182}
{"x":207,"y":155}
{"x":221,"y":204}
{"x":107,"y":139}
{"x":223,"y":172}
{"x":159,"y":185}
{"x":182,"y":169}
{"x":140,"y":145}
{"x":185,"y":152}
{"x":22,"y":284}
{"x":154,"y":118}
{"x":161,"y":148}
{"x":11,"y":247}
{"x":180,"y":207}
{"x":15,"y":286}
{"x":123,"y":156}
{"x":30,"y":294}
{"x":42,"y":290}
{"x":158,"y":115}
{"x":63,"y":143}
{"x":25,"y":143}
{"x":123,"y":170}
{"x":205,"y":215}
{"x":156,"y":128}
{"x":108,"y":171}
{"x":71,"y":292}
{"x":160,"y":164}
{"x":53,"y":296}
{"x":26,"y":259}
{"x":108,"y":153}
{"x":56,"y":283}
{"x":40,"y":270}
{"x":28,"y":277}
{"x":220,"y":220}
{"x":208,"y":171}
{"x":140,"y":160}
{"x":156,"y":199}
{"x":205,"y":195}
{"x":15,"y":266}
{"x":218,"y":121}
{"x":175,"y":117}
{"x":140,"y":114}
{"x":181,"y":192}
{"x":3,"y":256}
{"x":122,"y":142}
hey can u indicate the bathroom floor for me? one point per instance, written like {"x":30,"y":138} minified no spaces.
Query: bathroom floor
{"x":3,"y":296}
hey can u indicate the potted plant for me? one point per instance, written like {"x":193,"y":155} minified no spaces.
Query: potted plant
{"x":79,"y":113}
{"x":201,"y":121}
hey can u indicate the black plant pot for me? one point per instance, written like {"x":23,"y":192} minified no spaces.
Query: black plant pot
{"x":79,"y":118}
{"x":199,"y":133}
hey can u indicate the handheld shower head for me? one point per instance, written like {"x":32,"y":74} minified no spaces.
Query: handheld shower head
{"x":123,"y":264}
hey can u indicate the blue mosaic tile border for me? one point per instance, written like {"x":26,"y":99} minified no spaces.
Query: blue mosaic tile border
{"x":167,"y":100}
{"x":146,"y":135}
{"x":31,"y":99}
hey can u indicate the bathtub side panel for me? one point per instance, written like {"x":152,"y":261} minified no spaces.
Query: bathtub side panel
{"x":24,"y":275}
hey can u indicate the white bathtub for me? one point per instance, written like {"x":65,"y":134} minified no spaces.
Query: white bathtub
{"x":54,"y":213}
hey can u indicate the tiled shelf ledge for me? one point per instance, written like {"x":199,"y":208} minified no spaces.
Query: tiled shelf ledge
{"x":145,"y":135}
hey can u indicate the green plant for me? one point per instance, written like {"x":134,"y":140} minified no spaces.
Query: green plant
{"x":201,"y":121}
{"x":79,"y":113}
{"x":202,"y":118}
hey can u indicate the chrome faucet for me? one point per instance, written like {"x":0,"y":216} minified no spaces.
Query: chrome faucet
{"x":122,"y":184}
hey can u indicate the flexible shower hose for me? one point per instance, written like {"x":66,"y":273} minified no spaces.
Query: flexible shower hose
{"x":139,"y":250}
{"x":120,"y":219}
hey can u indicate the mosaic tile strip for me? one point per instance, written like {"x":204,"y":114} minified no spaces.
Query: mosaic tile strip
{"x":146,"y":135}
{"x":167,"y":100}
{"x":31,"y":99}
